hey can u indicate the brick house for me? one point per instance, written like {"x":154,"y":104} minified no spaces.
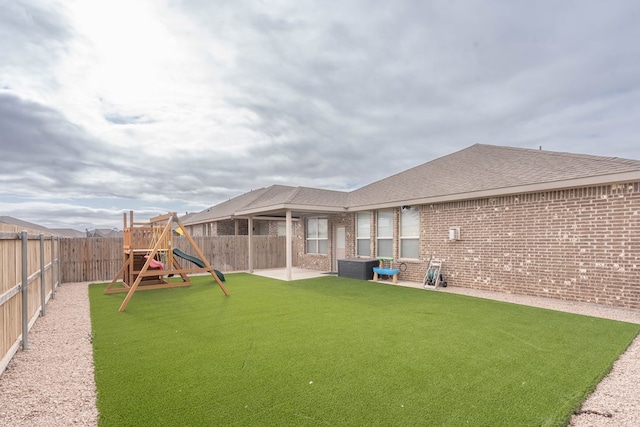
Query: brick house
{"x":503,"y":219}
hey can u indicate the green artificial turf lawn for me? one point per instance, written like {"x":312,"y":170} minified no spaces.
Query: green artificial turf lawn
{"x":338,"y":351}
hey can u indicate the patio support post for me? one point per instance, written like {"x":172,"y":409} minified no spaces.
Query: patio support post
{"x":288,"y":243}
{"x":249,"y":243}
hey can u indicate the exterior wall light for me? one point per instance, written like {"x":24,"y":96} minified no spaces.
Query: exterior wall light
{"x":454,"y":233}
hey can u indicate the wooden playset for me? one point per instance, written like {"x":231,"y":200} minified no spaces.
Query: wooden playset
{"x":149,"y":258}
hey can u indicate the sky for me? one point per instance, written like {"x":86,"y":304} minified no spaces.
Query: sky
{"x":159,"y":106}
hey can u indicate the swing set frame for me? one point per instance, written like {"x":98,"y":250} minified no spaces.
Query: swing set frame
{"x":151,"y":243}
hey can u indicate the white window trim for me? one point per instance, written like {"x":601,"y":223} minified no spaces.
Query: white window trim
{"x":385,"y":238}
{"x":316,"y":238}
{"x":402,"y":238}
{"x":358,"y":238}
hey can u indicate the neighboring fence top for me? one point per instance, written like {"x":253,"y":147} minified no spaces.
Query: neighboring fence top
{"x":6,"y":235}
{"x":10,"y":229}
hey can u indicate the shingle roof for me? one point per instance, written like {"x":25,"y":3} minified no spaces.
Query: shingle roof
{"x":225,"y":209}
{"x":274,"y":195}
{"x":272,"y":198}
{"x":104,"y":232}
{"x":299,"y":197}
{"x":477,"y":171}
{"x":68,"y":232}
{"x":488,"y":168}
{"x":24,"y":224}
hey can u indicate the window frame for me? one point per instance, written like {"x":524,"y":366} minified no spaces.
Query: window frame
{"x":404,"y":215}
{"x":317,"y":238}
{"x":367,"y":238}
{"x":386,"y":239}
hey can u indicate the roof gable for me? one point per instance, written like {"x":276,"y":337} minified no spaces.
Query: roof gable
{"x":225,"y":209}
{"x":273,"y":199}
{"x":280,"y":198}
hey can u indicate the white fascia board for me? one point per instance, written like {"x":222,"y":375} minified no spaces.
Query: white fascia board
{"x":265,"y":218}
{"x":265,"y":210}
{"x":505,"y":191}
{"x":208,"y":220}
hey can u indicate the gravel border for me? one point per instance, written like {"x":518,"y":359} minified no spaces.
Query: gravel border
{"x":52,"y":383}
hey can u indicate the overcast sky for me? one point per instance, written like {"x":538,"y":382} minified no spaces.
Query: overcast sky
{"x":157,"y":106}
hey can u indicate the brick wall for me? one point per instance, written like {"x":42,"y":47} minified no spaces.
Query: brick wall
{"x":225,"y":228}
{"x":228,"y":227}
{"x":349,"y":222}
{"x":578,"y":244}
{"x":323,"y":262}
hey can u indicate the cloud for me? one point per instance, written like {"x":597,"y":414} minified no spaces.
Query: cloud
{"x":66,"y":214}
{"x":327,"y":88}
{"x":39,"y":140}
{"x":126,"y":119}
{"x":33,"y":37}
{"x":190,"y":103}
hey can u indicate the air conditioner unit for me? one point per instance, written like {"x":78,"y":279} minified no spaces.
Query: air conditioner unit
{"x":454,"y":233}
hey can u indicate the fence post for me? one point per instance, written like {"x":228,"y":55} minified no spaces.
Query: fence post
{"x":43,"y":283}
{"x":59,"y":261}
{"x":53,"y":268}
{"x":25,"y":291}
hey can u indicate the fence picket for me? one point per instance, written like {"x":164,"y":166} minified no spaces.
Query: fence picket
{"x":100,"y":258}
{"x":93,"y":259}
{"x":24,"y":290}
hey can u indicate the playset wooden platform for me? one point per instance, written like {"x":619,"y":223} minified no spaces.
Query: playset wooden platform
{"x":149,"y":258}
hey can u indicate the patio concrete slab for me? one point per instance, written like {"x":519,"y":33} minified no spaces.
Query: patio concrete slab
{"x":296,"y":273}
{"x":303,"y":273}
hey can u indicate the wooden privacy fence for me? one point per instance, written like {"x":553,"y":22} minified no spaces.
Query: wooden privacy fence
{"x":99,"y":259}
{"x":32,"y":266}
{"x":29,"y":276}
{"x":90,"y":259}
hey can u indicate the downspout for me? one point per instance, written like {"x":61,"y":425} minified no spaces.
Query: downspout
{"x":288,"y":243}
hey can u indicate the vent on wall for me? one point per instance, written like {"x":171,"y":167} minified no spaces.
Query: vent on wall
{"x":454,"y":233}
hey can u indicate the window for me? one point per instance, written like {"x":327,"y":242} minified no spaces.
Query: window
{"x":385,"y":233}
{"x":282,"y":228}
{"x":363,"y":234}
{"x":317,"y":235}
{"x":410,"y":233}
{"x":261,"y":228}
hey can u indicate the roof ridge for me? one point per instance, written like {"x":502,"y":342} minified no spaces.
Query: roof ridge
{"x":550,"y":152}
{"x":293,"y":194}
{"x":483,"y":167}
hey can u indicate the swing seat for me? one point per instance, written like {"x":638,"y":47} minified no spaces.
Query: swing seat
{"x":155,"y":263}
